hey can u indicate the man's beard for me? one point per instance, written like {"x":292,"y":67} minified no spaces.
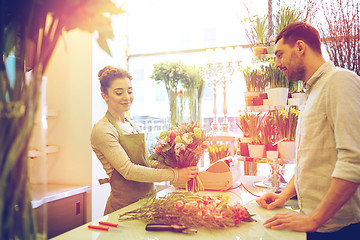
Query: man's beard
{"x":297,"y":69}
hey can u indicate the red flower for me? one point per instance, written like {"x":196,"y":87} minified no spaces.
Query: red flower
{"x":208,"y":199}
{"x":158,"y":149}
{"x":172,"y":134}
{"x":179,"y":205}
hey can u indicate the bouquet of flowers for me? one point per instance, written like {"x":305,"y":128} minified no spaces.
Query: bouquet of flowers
{"x":182,"y":146}
{"x":190,"y":210}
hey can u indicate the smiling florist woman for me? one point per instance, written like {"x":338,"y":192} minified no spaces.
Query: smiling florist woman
{"x":119,"y":145}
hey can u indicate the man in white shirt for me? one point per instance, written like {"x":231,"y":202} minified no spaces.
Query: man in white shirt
{"x":327,"y":173}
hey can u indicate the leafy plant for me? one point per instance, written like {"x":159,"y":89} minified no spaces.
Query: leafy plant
{"x":259,"y":26}
{"x":255,"y":79}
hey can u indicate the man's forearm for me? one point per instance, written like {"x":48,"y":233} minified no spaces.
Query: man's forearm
{"x":339,"y":193}
{"x":289,"y":191}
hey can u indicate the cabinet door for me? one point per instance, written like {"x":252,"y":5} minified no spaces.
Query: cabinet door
{"x":66,"y":214}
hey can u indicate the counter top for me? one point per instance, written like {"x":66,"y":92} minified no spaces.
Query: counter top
{"x":42,"y":194}
{"x":245,"y":231}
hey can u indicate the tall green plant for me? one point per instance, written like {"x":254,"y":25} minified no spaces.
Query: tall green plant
{"x":29,"y":32}
{"x":171,"y":74}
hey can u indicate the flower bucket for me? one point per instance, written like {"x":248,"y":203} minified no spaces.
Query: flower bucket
{"x":287,"y":150}
{"x":278,"y":96}
{"x":256,"y":150}
{"x":300,"y":95}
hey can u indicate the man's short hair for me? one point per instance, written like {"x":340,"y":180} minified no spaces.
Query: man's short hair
{"x":300,"y":31}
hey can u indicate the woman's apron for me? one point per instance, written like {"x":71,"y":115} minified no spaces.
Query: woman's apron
{"x":124,"y":192}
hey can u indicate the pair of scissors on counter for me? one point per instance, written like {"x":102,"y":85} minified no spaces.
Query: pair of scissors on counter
{"x":106,"y":226}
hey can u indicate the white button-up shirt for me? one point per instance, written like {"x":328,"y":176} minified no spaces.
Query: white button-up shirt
{"x":328,"y":142}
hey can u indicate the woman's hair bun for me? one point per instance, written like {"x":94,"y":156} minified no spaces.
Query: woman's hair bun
{"x":104,"y":70}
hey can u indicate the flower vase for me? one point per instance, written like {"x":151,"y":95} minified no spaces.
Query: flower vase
{"x":174,"y":118}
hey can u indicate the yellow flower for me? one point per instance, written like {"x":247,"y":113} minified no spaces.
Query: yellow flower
{"x":271,"y":61}
{"x":283,"y":112}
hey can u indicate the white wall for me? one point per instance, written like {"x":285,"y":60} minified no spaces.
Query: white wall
{"x":69,"y":93}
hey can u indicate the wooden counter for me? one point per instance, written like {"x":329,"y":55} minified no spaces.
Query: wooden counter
{"x":245,"y":231}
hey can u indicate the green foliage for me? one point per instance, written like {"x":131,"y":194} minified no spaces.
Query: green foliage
{"x":177,"y":75}
{"x":255,"y":79}
{"x":260,"y":27}
{"x":275,"y":77}
{"x":286,"y":17}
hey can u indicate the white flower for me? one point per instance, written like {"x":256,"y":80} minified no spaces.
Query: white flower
{"x":179,"y":147}
{"x":187,"y":138}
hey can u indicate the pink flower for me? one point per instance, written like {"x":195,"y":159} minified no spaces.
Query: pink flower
{"x":208,"y":199}
{"x":201,"y":206}
{"x":179,"y":205}
{"x":191,"y":205}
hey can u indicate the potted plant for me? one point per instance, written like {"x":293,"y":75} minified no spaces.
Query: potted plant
{"x":286,"y":122}
{"x":296,"y":88}
{"x":268,"y":132}
{"x":244,"y":127}
{"x":256,"y":145}
{"x":279,"y":85}
{"x":260,"y":27}
{"x":255,"y":85}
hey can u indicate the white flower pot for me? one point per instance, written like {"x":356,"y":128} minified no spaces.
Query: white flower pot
{"x":278,"y":96}
{"x":294,"y":101}
{"x":300,"y":96}
{"x":256,"y":150}
{"x":287,"y":150}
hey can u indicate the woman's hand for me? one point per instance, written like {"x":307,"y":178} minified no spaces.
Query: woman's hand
{"x":187,"y":173}
{"x":271,"y":201}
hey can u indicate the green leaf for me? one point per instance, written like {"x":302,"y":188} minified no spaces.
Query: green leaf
{"x":10,"y":38}
{"x":102,"y":41}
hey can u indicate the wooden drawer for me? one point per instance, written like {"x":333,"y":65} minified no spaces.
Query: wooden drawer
{"x":64,"y":214}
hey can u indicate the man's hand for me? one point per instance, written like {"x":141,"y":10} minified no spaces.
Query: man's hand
{"x":271,"y":201}
{"x":294,"y":221}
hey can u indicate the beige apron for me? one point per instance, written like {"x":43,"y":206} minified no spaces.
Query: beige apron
{"x":124,"y":192}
